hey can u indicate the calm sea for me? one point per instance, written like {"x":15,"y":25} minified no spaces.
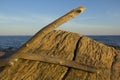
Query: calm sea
{"x":17,"y":41}
{"x":13,"y":41}
{"x":108,"y":40}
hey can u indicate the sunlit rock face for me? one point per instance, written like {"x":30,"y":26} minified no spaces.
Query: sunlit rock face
{"x":69,"y":46}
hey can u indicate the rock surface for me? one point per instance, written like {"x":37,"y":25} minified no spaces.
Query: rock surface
{"x":69,"y":46}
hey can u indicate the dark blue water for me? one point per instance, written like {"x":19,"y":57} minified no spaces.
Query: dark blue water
{"x":108,"y":40}
{"x":17,"y":41}
{"x":13,"y":41}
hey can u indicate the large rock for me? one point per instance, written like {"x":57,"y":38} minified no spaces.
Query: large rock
{"x":69,"y":46}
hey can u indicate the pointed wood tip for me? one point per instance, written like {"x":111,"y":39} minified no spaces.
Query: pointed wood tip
{"x":80,"y":9}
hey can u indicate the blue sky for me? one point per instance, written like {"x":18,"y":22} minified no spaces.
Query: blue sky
{"x":26,"y":17}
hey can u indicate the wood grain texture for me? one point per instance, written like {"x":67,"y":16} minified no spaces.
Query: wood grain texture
{"x":59,"y":61}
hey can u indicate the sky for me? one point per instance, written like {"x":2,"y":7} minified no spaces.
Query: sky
{"x":27,"y":17}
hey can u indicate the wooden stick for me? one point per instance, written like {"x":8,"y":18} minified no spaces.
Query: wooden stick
{"x":50,"y":59}
{"x":34,"y":42}
{"x":59,"y":61}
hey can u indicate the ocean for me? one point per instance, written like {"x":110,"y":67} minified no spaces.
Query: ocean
{"x":108,"y":40}
{"x":17,"y":41}
{"x":13,"y":41}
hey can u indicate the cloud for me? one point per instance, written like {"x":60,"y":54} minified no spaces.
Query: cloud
{"x":90,"y":29}
{"x":22,"y":25}
{"x":34,"y":22}
{"x":88,"y":17}
{"x":113,"y":13}
{"x":4,"y":18}
{"x":24,"y":19}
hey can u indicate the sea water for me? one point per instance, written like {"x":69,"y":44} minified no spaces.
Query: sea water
{"x":17,"y":41}
{"x":13,"y":41}
{"x":108,"y":40}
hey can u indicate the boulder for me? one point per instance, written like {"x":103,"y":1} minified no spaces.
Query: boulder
{"x":69,"y":46}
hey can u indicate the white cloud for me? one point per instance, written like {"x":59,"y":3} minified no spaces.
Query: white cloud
{"x":33,"y":23}
{"x":30,"y":18}
{"x":90,"y":29}
{"x":27,"y":25}
{"x":4,"y":18}
{"x":113,"y":13}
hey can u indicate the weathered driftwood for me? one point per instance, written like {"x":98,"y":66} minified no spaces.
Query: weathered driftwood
{"x":53,"y":60}
{"x":60,"y":61}
{"x":35,"y":40}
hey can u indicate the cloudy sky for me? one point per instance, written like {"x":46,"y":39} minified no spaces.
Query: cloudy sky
{"x":26,"y":17}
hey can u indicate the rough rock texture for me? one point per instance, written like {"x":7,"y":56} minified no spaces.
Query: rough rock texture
{"x":69,"y":46}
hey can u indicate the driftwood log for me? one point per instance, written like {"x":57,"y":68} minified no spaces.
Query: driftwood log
{"x":33,"y":43}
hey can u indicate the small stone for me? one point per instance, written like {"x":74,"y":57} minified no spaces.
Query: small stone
{"x":27,"y":45}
